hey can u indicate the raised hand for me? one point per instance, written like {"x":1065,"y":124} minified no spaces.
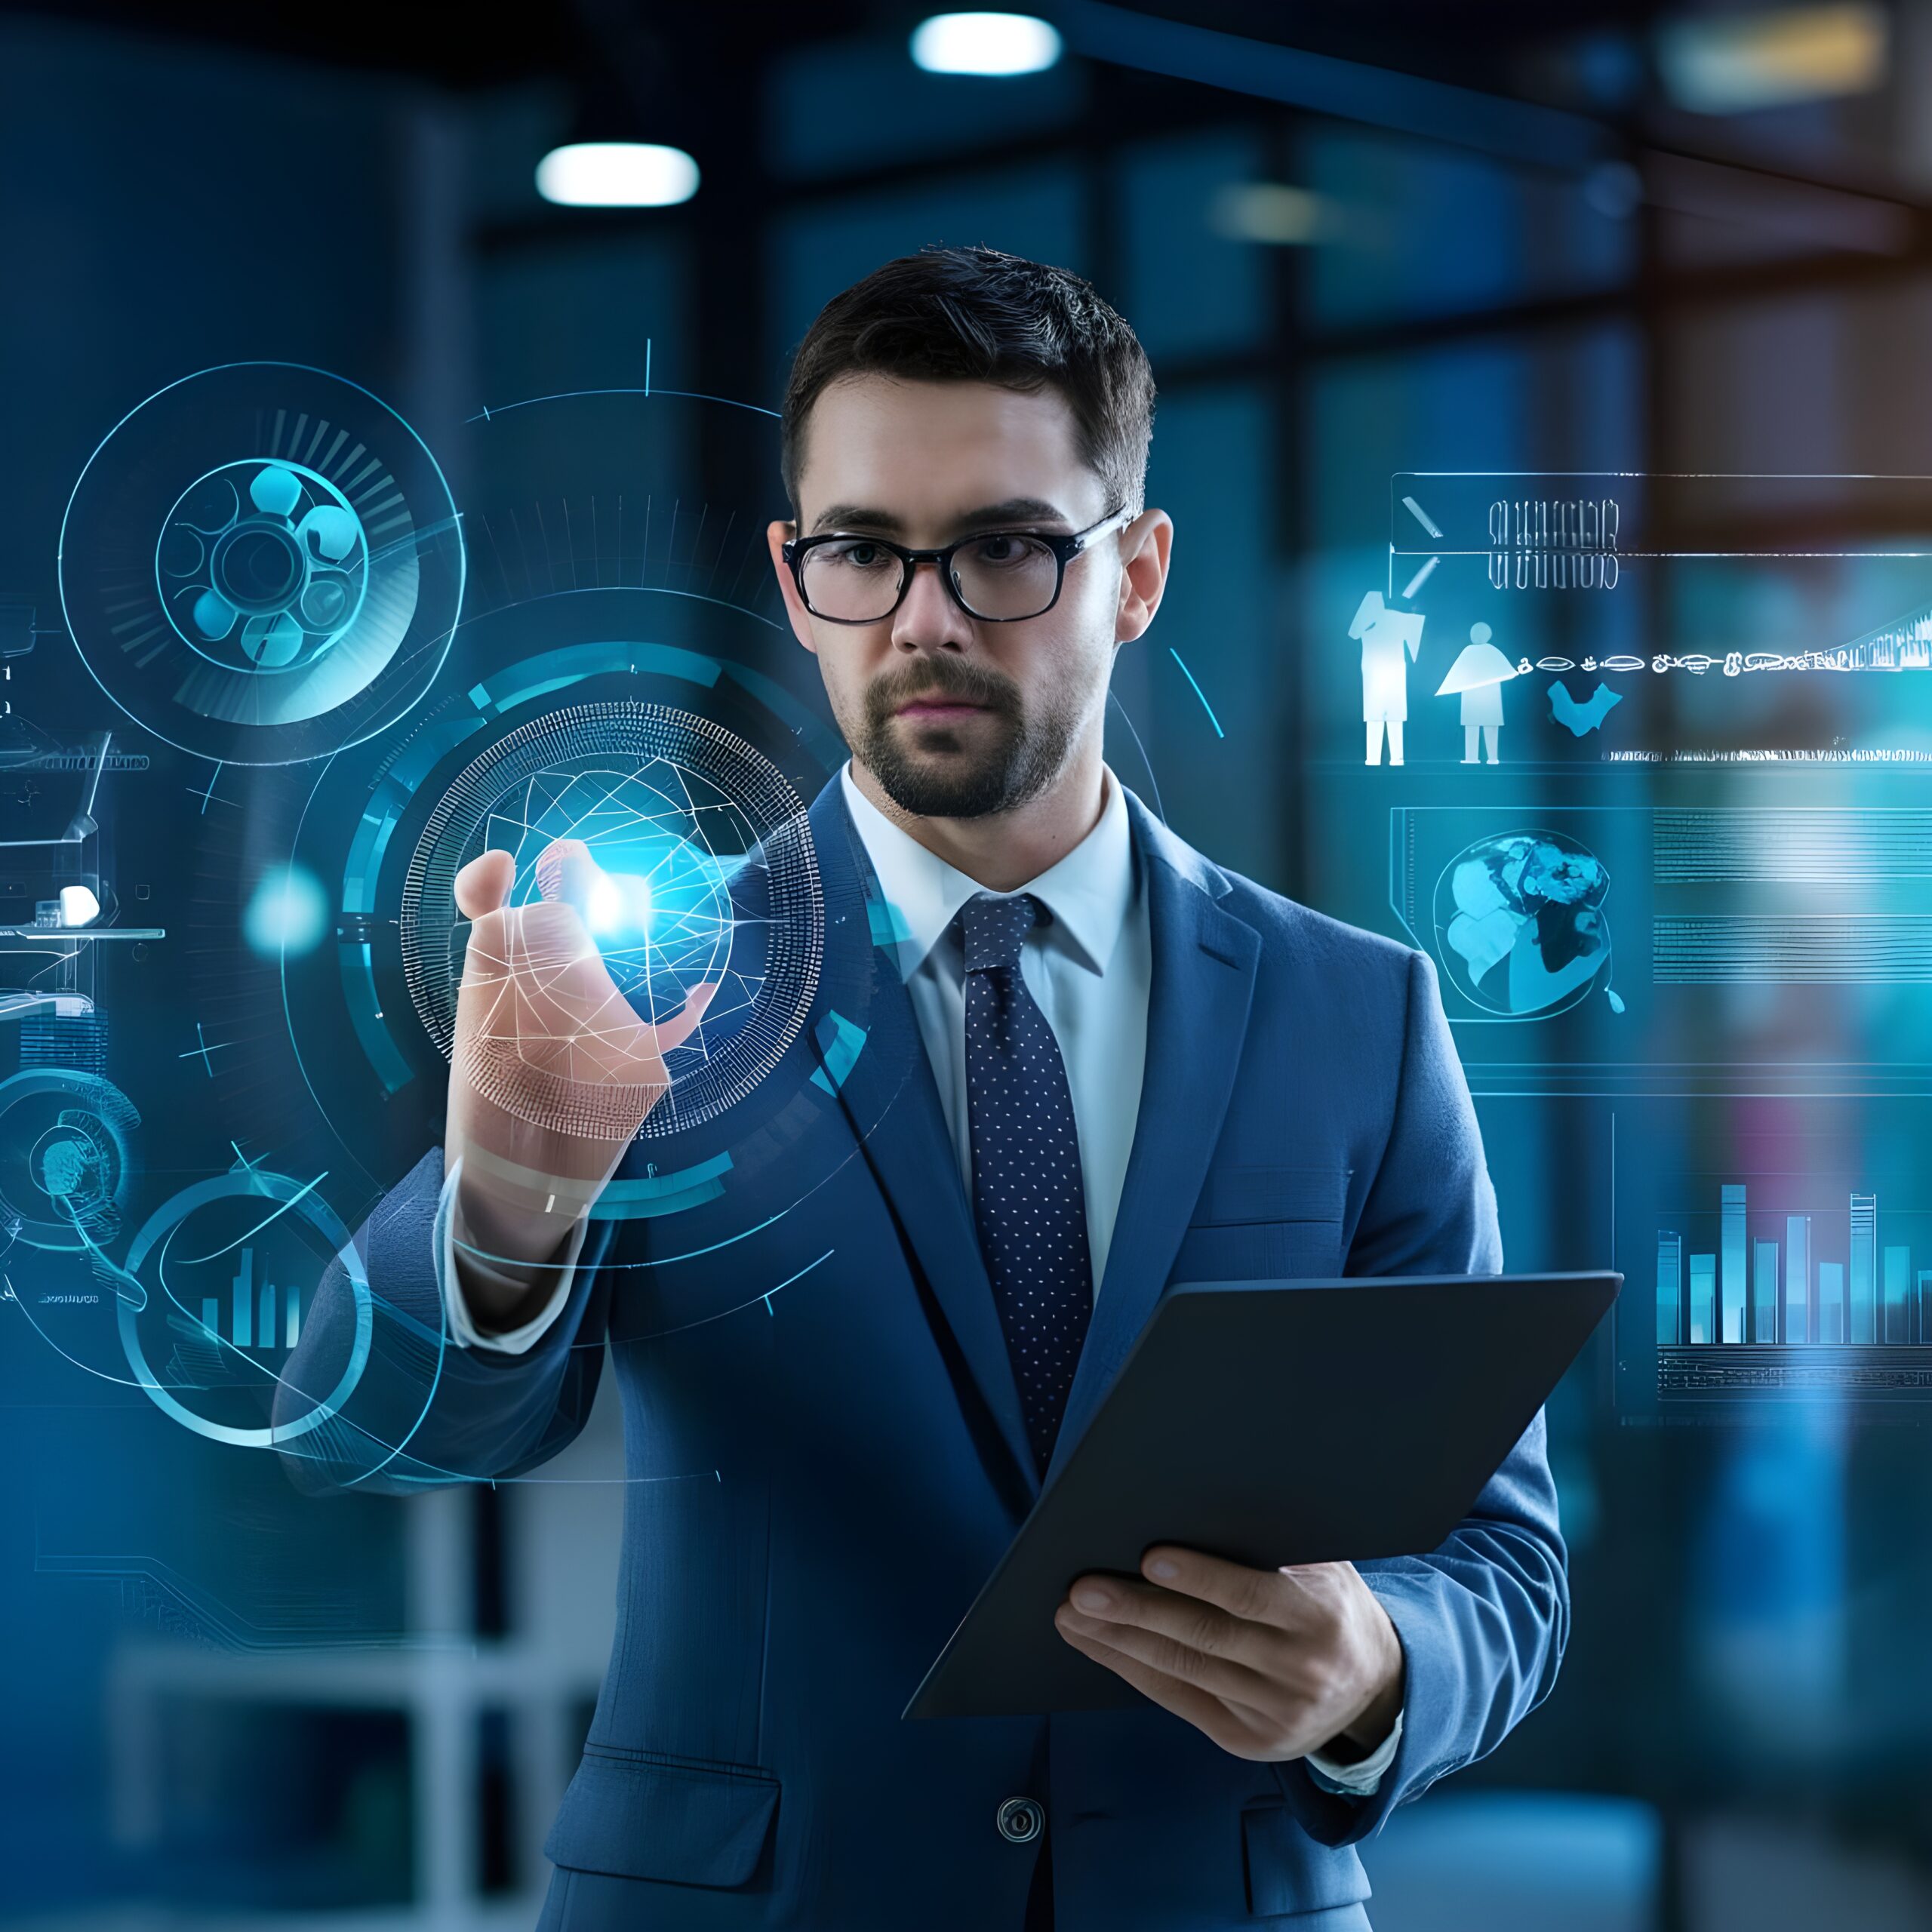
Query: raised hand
{"x":542,"y":1030}
{"x":551,"y":1072}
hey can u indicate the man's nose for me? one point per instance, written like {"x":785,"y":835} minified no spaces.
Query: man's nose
{"x":929,"y":619}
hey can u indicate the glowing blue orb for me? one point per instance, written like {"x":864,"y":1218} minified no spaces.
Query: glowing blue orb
{"x":288,"y":914}
{"x":618,"y":902}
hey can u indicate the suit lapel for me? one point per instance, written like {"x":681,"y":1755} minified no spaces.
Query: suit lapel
{"x":1204,"y":966}
{"x":893,"y":1102}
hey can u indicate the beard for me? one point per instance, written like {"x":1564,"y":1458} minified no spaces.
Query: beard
{"x":926,"y":769}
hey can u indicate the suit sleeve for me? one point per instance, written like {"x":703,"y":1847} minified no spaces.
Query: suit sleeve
{"x":401,"y":1406}
{"x":1483,"y":1620}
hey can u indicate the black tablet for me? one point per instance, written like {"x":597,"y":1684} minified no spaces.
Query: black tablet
{"x":1270,"y":1422}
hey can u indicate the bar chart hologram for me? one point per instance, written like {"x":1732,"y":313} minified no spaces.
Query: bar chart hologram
{"x":252,"y":1323}
{"x":1835,"y":1302}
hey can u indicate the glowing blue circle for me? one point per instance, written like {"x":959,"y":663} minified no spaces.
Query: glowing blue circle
{"x":659,"y":905}
{"x":670,"y":805}
{"x":287,"y":914}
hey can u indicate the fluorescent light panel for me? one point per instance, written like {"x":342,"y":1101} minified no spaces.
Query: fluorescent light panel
{"x":991,"y":43}
{"x":617,"y":174}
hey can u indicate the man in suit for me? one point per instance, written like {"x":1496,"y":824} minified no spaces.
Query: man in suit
{"x":1095,"y":1063}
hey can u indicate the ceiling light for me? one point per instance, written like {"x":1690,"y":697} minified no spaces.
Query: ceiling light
{"x":617,"y":174}
{"x":1732,"y":64}
{"x":985,"y":44}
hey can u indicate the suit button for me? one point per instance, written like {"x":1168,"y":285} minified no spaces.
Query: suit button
{"x":1020,"y":1820}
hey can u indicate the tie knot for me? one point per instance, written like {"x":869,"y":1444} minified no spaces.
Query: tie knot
{"x":994,"y":929}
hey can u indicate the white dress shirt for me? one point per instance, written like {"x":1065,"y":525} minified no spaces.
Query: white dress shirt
{"x":1091,"y":969}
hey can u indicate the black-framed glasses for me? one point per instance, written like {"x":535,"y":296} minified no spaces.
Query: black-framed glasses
{"x":998,"y":576}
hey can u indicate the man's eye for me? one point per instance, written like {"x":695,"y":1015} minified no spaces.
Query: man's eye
{"x":1001,"y":548}
{"x":860,"y":555}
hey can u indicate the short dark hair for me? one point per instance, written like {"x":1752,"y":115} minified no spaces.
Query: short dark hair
{"x":976,"y":315}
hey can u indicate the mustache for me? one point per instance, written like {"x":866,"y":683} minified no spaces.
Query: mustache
{"x":942,"y":679}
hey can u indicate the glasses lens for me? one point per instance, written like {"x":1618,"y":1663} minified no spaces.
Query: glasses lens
{"x":1006,"y":575}
{"x":852,"y":580}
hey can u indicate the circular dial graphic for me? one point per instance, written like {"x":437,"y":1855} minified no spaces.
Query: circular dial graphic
{"x":262,"y":565}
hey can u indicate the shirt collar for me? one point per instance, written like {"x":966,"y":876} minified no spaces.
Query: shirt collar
{"x":1089,"y":892}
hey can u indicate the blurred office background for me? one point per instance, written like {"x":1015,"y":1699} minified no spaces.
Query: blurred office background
{"x":1356,"y":237}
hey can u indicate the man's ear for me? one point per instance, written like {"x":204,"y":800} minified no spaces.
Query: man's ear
{"x":1144,"y":545}
{"x":777,"y":536}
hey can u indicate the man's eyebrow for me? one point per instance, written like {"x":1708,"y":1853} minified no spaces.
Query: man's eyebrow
{"x":856,"y":516}
{"x":1015,"y":510}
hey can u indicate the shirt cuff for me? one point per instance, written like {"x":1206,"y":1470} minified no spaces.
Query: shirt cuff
{"x":463,"y":1331}
{"x":1361,"y":1779}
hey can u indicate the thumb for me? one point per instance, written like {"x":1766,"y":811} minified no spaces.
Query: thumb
{"x":483,"y":885}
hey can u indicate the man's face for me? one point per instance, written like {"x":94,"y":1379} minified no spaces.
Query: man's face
{"x":956,"y":717}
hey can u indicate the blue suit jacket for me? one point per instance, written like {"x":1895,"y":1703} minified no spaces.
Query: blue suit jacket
{"x":1303,"y":1113}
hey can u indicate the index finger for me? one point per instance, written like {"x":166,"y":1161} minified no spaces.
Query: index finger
{"x":565,"y":871}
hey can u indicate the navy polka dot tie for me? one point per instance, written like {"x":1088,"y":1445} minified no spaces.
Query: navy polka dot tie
{"x":1028,"y":1201}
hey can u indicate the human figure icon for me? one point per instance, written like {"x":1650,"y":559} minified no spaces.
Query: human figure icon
{"x":1479,"y":673}
{"x":1385,"y":635}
